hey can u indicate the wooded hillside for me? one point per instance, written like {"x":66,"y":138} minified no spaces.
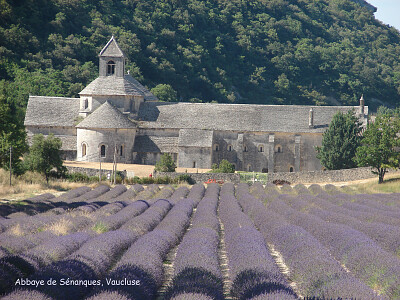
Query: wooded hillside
{"x":265,"y":51}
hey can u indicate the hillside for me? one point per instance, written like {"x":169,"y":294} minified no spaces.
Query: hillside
{"x":265,"y":51}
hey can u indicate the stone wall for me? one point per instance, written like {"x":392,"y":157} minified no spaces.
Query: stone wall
{"x":203,"y":177}
{"x":89,"y":171}
{"x":323,"y":176}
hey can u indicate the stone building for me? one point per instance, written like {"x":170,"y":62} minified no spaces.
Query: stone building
{"x":116,"y":116}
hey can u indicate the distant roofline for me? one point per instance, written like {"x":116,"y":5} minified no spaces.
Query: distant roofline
{"x":34,"y":96}
{"x":254,"y":105}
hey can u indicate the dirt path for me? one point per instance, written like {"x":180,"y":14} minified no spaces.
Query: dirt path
{"x":139,"y":170}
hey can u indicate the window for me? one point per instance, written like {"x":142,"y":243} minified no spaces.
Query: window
{"x":84,"y":149}
{"x":121,"y":150}
{"x":260,"y":149}
{"x":229,"y":148}
{"x":249,"y":168}
{"x":216,"y":147}
{"x":291,"y":169}
{"x":194,"y":164}
{"x":245,"y":149}
{"x":265,"y":170}
{"x":111,"y":67}
{"x":279,"y":150}
{"x":85,"y":103}
{"x":103,"y":151}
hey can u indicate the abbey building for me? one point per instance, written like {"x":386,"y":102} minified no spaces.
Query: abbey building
{"x":116,"y":115}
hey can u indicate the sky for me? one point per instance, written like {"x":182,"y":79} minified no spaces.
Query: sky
{"x":388,"y":11}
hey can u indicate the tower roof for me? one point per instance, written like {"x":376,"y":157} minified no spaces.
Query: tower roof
{"x":112,"y":49}
{"x":106,"y":116}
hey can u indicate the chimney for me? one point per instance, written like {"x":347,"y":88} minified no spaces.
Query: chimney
{"x":362,"y":105}
{"x":311,"y":118}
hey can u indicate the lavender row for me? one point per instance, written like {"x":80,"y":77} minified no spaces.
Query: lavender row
{"x":40,"y":220}
{"x":196,"y":267}
{"x":91,"y":261}
{"x":179,"y":194}
{"x":143,"y":261}
{"x":360,"y":254}
{"x":148,"y":193}
{"x":251,"y":267}
{"x":387,"y":236}
{"x":163,"y":193}
{"x":32,"y":260}
{"x":114,"y":221}
{"x":196,"y":193}
{"x":386,"y":202}
{"x":28,"y":207}
{"x":310,"y":264}
{"x":363,"y":211}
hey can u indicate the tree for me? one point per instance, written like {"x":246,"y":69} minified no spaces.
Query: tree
{"x":44,"y":155}
{"x":378,"y":145}
{"x":165,"y":164}
{"x":224,"y":167}
{"x":12,"y":134}
{"x":340,"y":142}
{"x":165,"y":92}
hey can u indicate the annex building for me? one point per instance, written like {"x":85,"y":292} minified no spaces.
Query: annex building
{"x":117,"y":116}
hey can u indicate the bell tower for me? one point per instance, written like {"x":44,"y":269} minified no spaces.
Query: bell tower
{"x":111,"y":60}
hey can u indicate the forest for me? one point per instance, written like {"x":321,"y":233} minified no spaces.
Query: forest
{"x":313,"y":52}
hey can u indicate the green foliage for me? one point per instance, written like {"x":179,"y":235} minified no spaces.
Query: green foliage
{"x":160,"y":180}
{"x":12,"y":134}
{"x":165,"y":164}
{"x":44,"y":155}
{"x":379,"y":145}
{"x":165,"y":92}
{"x":224,"y":167}
{"x":282,"y":52}
{"x":340,"y":142}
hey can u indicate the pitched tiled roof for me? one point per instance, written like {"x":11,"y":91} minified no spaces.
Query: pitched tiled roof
{"x":112,"y":85}
{"x":238,"y":117}
{"x":148,"y":96}
{"x":156,"y":144}
{"x":111,"y":49}
{"x":106,"y":116}
{"x":51,"y":111}
{"x":195,"y":138}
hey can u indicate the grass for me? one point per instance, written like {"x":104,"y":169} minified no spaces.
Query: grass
{"x":100,"y":228}
{"x":31,"y":184}
{"x":61,"y":227}
{"x":391,"y":184}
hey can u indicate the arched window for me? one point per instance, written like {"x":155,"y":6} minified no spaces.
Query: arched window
{"x":291,"y":169}
{"x":278,"y":148}
{"x":245,"y":149}
{"x":260,"y":148}
{"x":216,"y":147}
{"x":194,"y":164}
{"x":229,"y":148}
{"x":121,"y":150}
{"x":249,"y":168}
{"x":85,"y":103}
{"x":111,"y":67}
{"x":84,"y":149}
{"x":103,"y":150}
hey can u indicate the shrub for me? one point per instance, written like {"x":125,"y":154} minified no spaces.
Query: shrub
{"x":165,"y":164}
{"x":184,"y":178}
{"x":224,"y":167}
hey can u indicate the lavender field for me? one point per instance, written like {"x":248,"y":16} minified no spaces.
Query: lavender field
{"x":202,"y":243}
